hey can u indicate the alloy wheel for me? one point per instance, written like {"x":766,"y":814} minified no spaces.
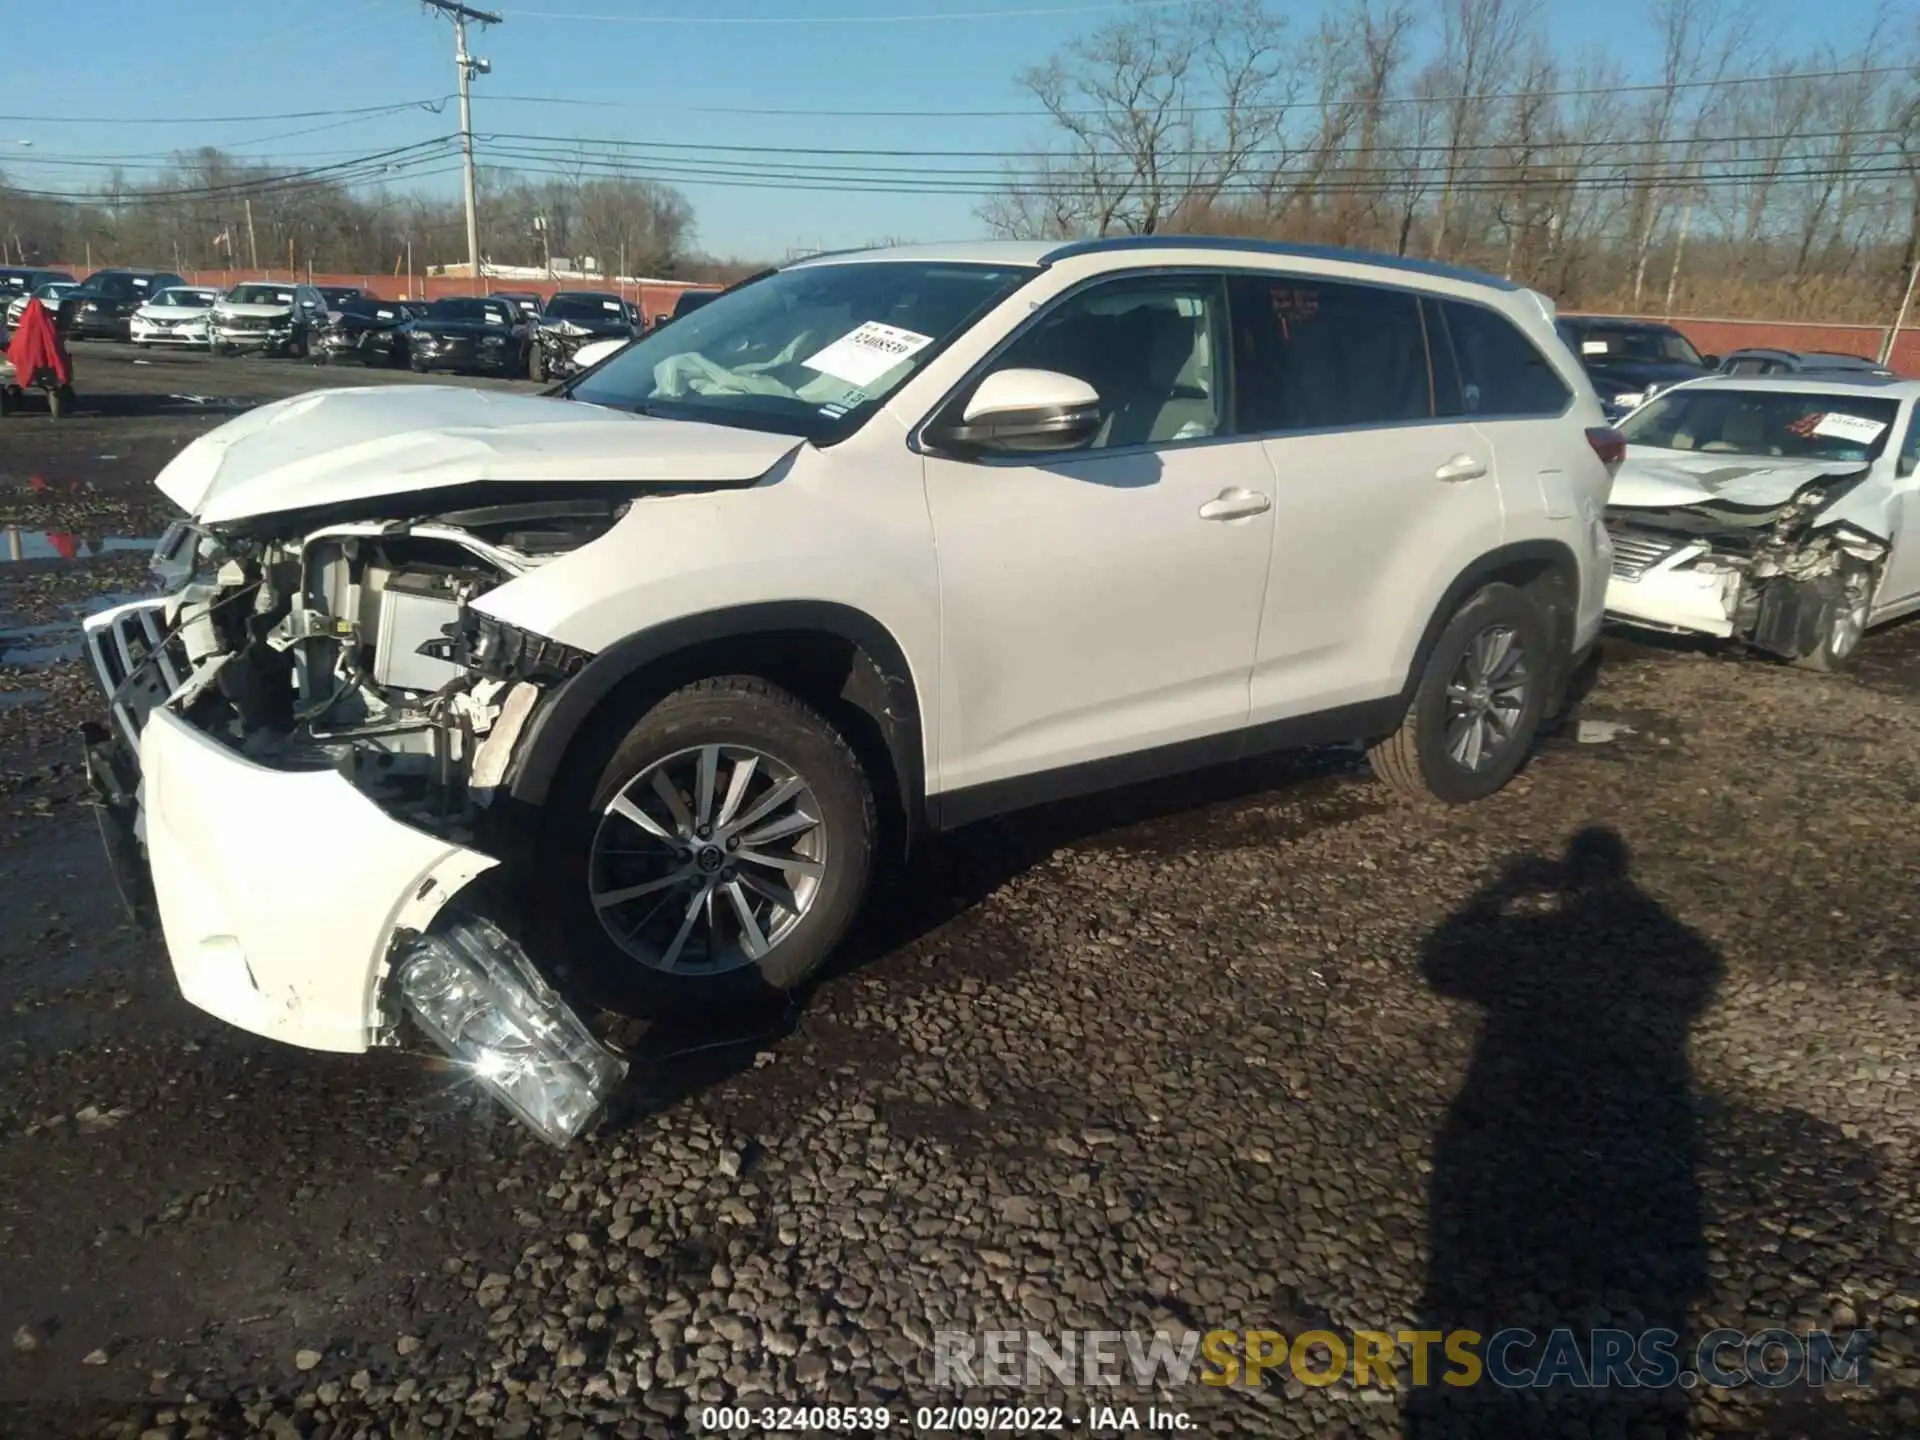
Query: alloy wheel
{"x":1850,"y":616}
{"x":1486,"y":697}
{"x":707,"y":859}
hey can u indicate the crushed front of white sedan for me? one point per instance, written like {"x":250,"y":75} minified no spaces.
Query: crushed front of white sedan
{"x":1772,"y":552}
{"x":309,"y":729}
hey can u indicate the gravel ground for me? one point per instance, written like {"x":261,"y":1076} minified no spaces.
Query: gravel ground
{"x":1631,"y":1044}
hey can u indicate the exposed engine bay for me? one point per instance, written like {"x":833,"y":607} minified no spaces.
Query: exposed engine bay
{"x":350,"y":647}
{"x":1765,"y":573}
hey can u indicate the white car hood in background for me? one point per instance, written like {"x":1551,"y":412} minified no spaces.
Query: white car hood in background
{"x":170,"y":313}
{"x":1672,"y":479}
{"x":252,"y":312}
{"x":330,"y":447}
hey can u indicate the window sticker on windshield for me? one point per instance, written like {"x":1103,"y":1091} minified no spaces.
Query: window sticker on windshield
{"x":863,"y":355}
{"x":613,"y":305}
{"x":1849,"y":427}
{"x":1593,"y":347}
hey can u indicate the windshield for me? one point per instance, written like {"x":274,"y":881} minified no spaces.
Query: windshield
{"x":369,"y":308}
{"x":336,"y":294}
{"x":584,"y":307}
{"x":1764,"y":422}
{"x":185,"y":299}
{"x":260,"y":295}
{"x":802,"y":352}
{"x":493,"y":312}
{"x":119,"y":287}
{"x":1637,"y":343}
{"x":15,"y":280}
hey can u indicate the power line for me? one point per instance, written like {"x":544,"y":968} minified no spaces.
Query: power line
{"x":540,"y":164}
{"x":433,"y":104}
{"x":342,"y":172}
{"x":1390,"y":101}
{"x":904,"y":19}
{"x":1440,"y":148}
{"x":1538,"y":170}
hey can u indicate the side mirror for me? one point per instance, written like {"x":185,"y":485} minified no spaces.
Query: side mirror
{"x":1028,"y":410}
{"x":1712,"y":362}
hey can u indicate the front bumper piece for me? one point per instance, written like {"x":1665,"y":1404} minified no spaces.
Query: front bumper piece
{"x":1658,"y":583}
{"x":295,"y":908}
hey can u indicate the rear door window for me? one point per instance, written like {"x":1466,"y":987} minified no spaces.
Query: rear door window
{"x":1488,"y":367}
{"x":1310,"y":354}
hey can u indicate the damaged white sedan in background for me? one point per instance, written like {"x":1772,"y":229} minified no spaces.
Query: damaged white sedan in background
{"x":1778,"y":512}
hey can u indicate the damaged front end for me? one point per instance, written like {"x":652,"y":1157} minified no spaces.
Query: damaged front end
{"x":307,"y":735}
{"x":1772,"y":575}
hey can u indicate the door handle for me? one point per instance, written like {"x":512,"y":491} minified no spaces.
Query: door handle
{"x":1235,"y":504}
{"x":1461,"y":467}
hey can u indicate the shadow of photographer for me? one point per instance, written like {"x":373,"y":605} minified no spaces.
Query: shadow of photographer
{"x":1565,"y":1190}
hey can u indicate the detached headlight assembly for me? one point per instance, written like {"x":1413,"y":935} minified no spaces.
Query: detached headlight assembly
{"x":476,"y":993}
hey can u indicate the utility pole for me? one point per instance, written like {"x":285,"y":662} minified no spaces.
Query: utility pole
{"x":253,"y":244}
{"x":468,"y":67}
{"x":1900,"y":317}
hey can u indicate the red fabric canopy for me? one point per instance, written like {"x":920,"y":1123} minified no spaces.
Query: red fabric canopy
{"x":36,"y":346}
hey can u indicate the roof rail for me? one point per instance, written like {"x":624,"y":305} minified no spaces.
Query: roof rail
{"x":1283,"y":249}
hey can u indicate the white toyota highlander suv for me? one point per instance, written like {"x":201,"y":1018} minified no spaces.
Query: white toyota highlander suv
{"x":877,"y":542}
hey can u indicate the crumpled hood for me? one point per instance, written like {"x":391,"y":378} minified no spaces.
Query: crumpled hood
{"x":1673,"y":479}
{"x":330,"y":447}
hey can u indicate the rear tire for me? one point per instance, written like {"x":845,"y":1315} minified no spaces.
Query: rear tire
{"x":1478,"y":705}
{"x":789,"y":817}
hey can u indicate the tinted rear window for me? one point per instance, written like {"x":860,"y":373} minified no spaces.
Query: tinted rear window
{"x":585,"y":307}
{"x":492,"y":312}
{"x":1487,"y":367}
{"x":1311,"y":354}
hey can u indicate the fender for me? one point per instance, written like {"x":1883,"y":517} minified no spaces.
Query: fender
{"x":1494,"y":565}
{"x":558,"y":723}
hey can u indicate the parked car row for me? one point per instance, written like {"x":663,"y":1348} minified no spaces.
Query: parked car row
{"x":1631,"y":361}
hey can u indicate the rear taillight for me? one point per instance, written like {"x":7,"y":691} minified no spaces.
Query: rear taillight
{"x":1609,"y":444}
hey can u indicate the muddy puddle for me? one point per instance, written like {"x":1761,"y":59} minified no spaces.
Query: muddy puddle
{"x":18,"y":545}
{"x":36,"y":646}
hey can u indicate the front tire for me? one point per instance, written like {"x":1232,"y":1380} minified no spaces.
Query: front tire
{"x":717,"y":857}
{"x":536,"y":364}
{"x":1845,"y":608}
{"x":1479,"y":702}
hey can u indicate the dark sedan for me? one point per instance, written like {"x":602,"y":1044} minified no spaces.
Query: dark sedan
{"x":1828,"y":364}
{"x":102,"y":308}
{"x":472,"y":336}
{"x":19,"y":280}
{"x":571,"y":319}
{"x":1630,"y":361}
{"x":368,"y":330}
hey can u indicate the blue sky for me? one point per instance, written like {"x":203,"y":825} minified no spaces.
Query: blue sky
{"x":643,"y":69}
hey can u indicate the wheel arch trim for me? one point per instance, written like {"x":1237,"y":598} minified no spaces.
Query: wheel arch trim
{"x":558,"y":723}
{"x":1487,"y":569}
